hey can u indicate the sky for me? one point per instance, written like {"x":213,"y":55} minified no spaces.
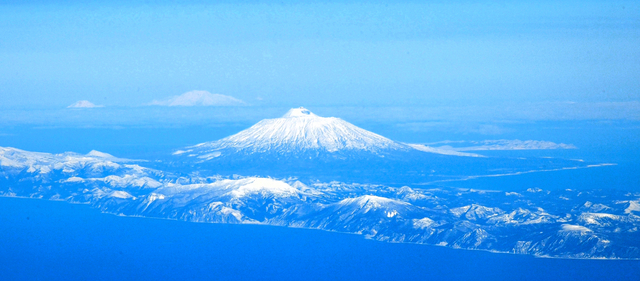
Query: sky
{"x":521,"y":59}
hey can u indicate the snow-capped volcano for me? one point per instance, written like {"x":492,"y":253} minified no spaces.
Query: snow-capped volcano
{"x":299,"y":130}
{"x":307,"y":146}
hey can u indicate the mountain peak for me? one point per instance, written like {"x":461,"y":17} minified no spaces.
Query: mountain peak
{"x":299,"y":112}
{"x":296,"y":132}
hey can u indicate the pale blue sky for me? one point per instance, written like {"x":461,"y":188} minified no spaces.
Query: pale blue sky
{"x":334,"y":53}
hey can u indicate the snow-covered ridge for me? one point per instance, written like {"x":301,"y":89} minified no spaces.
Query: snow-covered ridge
{"x":371,"y":202}
{"x":10,"y":156}
{"x":13,"y":159}
{"x":234,"y":188}
{"x":299,"y":130}
{"x":562,"y":223}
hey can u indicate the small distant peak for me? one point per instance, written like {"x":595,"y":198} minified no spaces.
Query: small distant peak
{"x":299,"y":112}
{"x":84,"y":104}
{"x":96,"y":153}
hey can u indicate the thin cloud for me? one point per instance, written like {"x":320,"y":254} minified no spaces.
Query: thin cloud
{"x":199,"y":98}
{"x":84,"y":104}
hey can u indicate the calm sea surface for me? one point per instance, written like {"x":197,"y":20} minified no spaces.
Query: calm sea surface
{"x":47,"y":240}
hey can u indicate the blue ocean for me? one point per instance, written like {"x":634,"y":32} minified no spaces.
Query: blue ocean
{"x":46,"y":240}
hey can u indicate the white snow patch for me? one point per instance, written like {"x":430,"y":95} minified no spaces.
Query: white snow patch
{"x":74,"y":179}
{"x":121,"y":194}
{"x":371,"y":202}
{"x":422,"y":223}
{"x":155,"y":196}
{"x":599,"y":219}
{"x":298,"y":112}
{"x":474,"y":212}
{"x":129,"y":181}
{"x":178,"y":152}
{"x":235,"y":213}
{"x":460,"y":210}
{"x":633,"y":206}
{"x":257,"y":185}
{"x":571,"y":227}
{"x":234,"y":188}
{"x":210,"y":156}
{"x":364,"y":204}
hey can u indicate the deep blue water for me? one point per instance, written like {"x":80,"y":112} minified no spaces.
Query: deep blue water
{"x":46,"y":240}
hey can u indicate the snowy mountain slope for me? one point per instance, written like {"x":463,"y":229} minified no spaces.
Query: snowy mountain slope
{"x":563,"y":223}
{"x":232,"y":189}
{"x":297,"y":131}
{"x":246,"y":200}
{"x":16,"y":160}
{"x":25,"y":173}
{"x":475,"y":212}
